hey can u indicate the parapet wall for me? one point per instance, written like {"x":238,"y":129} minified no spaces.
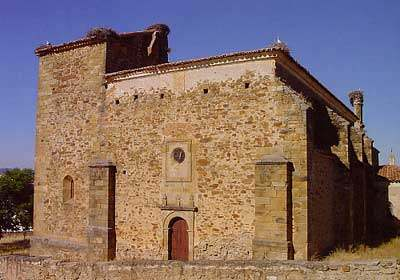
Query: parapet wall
{"x":29,"y":268}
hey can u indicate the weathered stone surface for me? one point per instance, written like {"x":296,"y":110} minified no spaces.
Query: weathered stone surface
{"x":225,"y":115}
{"x":30,"y":268}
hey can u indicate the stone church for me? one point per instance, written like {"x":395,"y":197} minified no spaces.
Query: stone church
{"x":237,"y":156}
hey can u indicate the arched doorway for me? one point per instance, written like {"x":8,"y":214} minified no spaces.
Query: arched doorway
{"x":178,"y":240}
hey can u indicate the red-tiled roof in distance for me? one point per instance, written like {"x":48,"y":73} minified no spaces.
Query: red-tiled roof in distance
{"x":390,"y":172}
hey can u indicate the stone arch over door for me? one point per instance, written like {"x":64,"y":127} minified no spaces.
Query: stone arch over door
{"x":170,"y":217}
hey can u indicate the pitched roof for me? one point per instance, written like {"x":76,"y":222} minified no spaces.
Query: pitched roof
{"x":390,"y":172}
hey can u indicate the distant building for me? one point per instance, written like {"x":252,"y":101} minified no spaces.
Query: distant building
{"x":391,"y":173}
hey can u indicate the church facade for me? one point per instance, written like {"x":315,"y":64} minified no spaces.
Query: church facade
{"x":232,"y":157}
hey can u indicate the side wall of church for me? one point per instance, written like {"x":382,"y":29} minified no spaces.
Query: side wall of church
{"x":330,"y":190}
{"x":66,"y":130}
{"x":323,"y":204}
{"x":338,"y":174}
{"x":226,"y":118}
{"x":359,"y":173}
{"x":339,"y":185}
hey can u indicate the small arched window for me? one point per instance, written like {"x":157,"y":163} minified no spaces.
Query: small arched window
{"x":68,"y":188}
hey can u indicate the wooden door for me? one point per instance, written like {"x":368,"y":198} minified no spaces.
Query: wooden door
{"x":178,"y":240}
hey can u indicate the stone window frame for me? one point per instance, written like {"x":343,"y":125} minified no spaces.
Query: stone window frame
{"x":188,"y":216}
{"x":68,"y":189}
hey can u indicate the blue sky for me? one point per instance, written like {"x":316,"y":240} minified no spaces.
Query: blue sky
{"x":346,"y":44}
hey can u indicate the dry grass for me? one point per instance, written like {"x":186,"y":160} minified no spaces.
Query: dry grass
{"x":15,"y":243}
{"x":390,"y":249}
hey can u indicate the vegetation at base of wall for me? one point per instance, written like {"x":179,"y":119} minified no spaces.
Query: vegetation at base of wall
{"x":20,"y":247}
{"x":390,"y":249}
{"x":16,"y":200}
{"x":15,"y":243}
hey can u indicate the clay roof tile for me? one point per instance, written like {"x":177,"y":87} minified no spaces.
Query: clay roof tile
{"x":390,"y":172}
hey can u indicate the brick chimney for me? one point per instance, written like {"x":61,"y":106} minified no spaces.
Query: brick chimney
{"x":357,"y":101}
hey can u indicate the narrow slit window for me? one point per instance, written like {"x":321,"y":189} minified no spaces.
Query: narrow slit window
{"x":205,"y":91}
{"x":68,"y":188}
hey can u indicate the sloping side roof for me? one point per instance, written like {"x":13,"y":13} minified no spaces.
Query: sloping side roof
{"x":390,"y":172}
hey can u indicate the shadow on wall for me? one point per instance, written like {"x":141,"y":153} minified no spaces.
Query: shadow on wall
{"x":346,"y":206}
{"x":342,"y":203}
{"x":385,"y":225}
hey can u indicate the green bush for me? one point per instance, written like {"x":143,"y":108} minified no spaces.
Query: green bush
{"x":16,"y":200}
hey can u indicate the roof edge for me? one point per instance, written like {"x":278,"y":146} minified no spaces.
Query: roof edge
{"x":265,"y":53}
{"x":192,"y":63}
{"x":326,"y":95}
{"x":48,"y":49}
{"x":389,"y":172}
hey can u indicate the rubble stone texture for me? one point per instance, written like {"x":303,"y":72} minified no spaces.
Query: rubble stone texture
{"x":30,"y":268}
{"x":114,"y":99}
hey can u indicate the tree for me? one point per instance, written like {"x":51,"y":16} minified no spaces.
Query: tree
{"x":16,"y":200}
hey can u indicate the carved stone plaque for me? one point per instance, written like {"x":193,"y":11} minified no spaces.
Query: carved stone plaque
{"x":178,"y":161}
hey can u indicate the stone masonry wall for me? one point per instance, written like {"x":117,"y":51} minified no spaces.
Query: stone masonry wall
{"x":69,"y":98}
{"x":338,"y":182}
{"x":359,"y":175}
{"x":226,"y":117}
{"x":329,"y":202}
{"x":29,"y":268}
{"x":341,"y":180}
{"x":228,"y":127}
{"x":330,"y":190}
{"x":129,"y":52}
{"x":322,"y":204}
